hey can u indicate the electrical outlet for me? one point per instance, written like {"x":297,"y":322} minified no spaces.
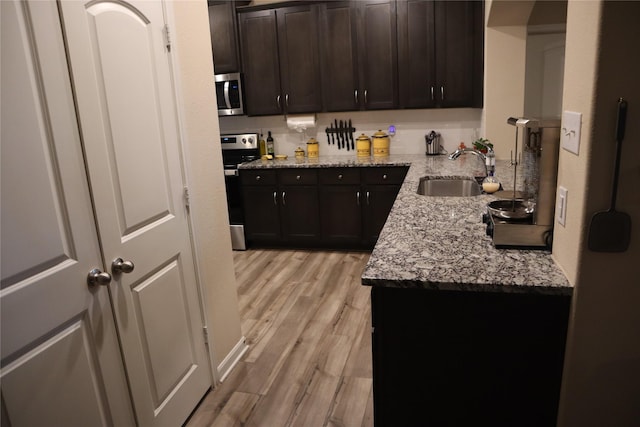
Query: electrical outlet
{"x":570,"y":131}
{"x":561,"y":206}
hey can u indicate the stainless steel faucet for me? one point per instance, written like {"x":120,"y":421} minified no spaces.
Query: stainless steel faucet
{"x":461,"y":151}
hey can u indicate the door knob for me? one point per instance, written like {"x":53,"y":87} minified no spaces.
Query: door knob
{"x":120,"y":266}
{"x":98,"y":277}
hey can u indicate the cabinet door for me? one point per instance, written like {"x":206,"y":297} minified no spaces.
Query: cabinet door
{"x":338,"y":41}
{"x":459,"y":68}
{"x":300,"y":213}
{"x":224,"y":43}
{"x":378,"y":201}
{"x":416,"y":53}
{"x":259,"y":54}
{"x":341,"y":214}
{"x":299,"y":58}
{"x":262,"y":220}
{"x":377,"y":49}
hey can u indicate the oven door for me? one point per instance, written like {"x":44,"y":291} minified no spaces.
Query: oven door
{"x":235,"y":208}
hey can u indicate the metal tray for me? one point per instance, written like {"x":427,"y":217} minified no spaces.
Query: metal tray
{"x":510,"y":209}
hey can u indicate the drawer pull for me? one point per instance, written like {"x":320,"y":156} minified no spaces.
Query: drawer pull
{"x":258,"y":177}
{"x":340,"y":176}
{"x":368,"y":198}
{"x":275,"y":200}
{"x":298,"y":177}
{"x":384,"y":176}
{"x":283,"y":202}
{"x":358,"y":198}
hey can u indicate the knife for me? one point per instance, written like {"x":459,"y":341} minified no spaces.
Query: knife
{"x":337,"y":135}
{"x":353,"y":145}
{"x":342,"y":134}
{"x":331,"y":133}
{"x":327,"y":132}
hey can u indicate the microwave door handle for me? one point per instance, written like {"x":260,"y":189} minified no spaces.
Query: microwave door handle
{"x":227,"y":101}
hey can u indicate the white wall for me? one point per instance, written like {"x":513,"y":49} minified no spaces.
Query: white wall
{"x":601,"y":382}
{"x":454,"y":125}
{"x":198,"y":114}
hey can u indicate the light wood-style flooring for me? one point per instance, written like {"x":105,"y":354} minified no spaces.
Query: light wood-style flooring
{"x":307,"y":321}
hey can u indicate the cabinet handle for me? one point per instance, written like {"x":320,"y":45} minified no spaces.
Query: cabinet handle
{"x":283,"y":202}
{"x":286,"y":100}
{"x":384,"y":176}
{"x":432,"y":97}
{"x":275,"y":200}
{"x":358,"y":198}
{"x":340,"y":176}
{"x":278,"y":100}
{"x":355,"y":95}
{"x":365,"y":97}
{"x":258,"y":178}
{"x":298,"y":177}
{"x":442,"y":93}
{"x":368,"y":198}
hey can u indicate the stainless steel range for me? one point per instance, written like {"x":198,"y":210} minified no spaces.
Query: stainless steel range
{"x":237,"y":149}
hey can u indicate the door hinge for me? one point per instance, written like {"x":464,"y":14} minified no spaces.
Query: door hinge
{"x":167,"y":37}
{"x":187,"y":200}
{"x":205,"y":331}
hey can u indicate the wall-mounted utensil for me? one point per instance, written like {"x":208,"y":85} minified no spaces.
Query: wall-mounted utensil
{"x":610,"y":230}
{"x":337,"y":134}
{"x":351,"y":130}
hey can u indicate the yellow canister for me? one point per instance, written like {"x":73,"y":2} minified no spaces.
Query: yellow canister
{"x":380,"y":144}
{"x":299,"y":153}
{"x":363,"y":146}
{"x":312,"y":148}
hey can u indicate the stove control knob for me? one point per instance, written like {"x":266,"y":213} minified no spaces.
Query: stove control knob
{"x":250,"y":140}
{"x":244,"y":140}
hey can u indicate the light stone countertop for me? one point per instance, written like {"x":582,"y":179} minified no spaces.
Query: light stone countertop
{"x":441,"y":242}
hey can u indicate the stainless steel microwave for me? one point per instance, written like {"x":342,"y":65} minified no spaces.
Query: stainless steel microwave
{"x":229,"y":94}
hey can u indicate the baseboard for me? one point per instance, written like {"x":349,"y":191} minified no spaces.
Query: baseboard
{"x":226,"y":366}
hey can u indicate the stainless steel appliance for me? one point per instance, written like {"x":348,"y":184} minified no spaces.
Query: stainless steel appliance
{"x":527,"y":221}
{"x":229,"y":94}
{"x":237,"y":149}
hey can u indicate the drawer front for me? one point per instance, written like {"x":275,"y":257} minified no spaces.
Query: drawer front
{"x":384,"y":175}
{"x":258,"y":177}
{"x":298,"y":176}
{"x":338,"y":176}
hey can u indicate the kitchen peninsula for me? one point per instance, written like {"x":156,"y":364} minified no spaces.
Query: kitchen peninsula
{"x":463,"y":333}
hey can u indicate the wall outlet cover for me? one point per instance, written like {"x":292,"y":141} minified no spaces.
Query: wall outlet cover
{"x":570,"y":131}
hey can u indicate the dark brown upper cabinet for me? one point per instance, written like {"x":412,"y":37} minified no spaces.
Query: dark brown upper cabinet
{"x":280,"y":56}
{"x":359,"y":51}
{"x":224,"y":42}
{"x":440,"y":53}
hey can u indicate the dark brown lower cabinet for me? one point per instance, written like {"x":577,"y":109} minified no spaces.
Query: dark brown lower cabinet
{"x":456,"y":358}
{"x":280,"y":206}
{"x":342,"y":208}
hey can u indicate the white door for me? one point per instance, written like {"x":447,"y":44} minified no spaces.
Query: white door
{"x":121,"y":74}
{"x":61,"y":364}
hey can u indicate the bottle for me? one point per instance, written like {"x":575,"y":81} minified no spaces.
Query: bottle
{"x":490,"y":184}
{"x":490,"y":161}
{"x":262,"y":145}
{"x":270,"y":145}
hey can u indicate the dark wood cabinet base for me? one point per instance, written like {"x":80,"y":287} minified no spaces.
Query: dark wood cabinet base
{"x":447,"y":358}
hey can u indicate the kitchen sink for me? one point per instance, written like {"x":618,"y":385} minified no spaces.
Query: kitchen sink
{"x":445,"y":187}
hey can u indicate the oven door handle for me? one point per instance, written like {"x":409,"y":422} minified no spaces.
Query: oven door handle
{"x":231,"y":172}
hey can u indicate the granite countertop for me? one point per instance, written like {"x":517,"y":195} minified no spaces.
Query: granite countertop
{"x":441,"y":242}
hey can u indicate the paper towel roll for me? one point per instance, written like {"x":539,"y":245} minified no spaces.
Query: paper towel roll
{"x":300,"y":122}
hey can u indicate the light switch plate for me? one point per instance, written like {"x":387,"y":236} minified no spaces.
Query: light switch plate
{"x":561,"y":206}
{"x":570,"y":131}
